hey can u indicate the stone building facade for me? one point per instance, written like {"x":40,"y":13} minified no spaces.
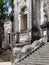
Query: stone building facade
{"x":30,"y":14}
{"x":44,"y":17}
{"x":41,"y":18}
{"x":22,"y":17}
{"x":22,"y":12}
{"x":34,"y":15}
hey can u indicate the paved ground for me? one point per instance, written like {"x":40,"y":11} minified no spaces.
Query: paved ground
{"x":5,"y":63}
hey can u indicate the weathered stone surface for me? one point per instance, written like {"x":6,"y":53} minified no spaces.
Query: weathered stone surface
{"x":35,"y":43}
{"x":26,"y":48}
{"x":16,"y":49}
{"x":43,"y":39}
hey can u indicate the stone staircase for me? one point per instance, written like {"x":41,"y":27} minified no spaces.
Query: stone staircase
{"x":39,"y":57}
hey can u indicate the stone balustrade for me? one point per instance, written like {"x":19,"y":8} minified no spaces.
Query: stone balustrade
{"x":21,"y":52}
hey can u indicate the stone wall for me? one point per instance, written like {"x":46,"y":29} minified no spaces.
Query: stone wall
{"x":16,"y":23}
{"x":17,"y":14}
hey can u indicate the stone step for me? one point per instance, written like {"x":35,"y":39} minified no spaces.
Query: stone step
{"x":39,"y":57}
{"x":45,"y":46}
{"x":40,"y":61}
{"x":34,"y":57}
{"x":33,"y":63}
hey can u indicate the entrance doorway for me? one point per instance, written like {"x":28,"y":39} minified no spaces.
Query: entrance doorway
{"x":24,"y":22}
